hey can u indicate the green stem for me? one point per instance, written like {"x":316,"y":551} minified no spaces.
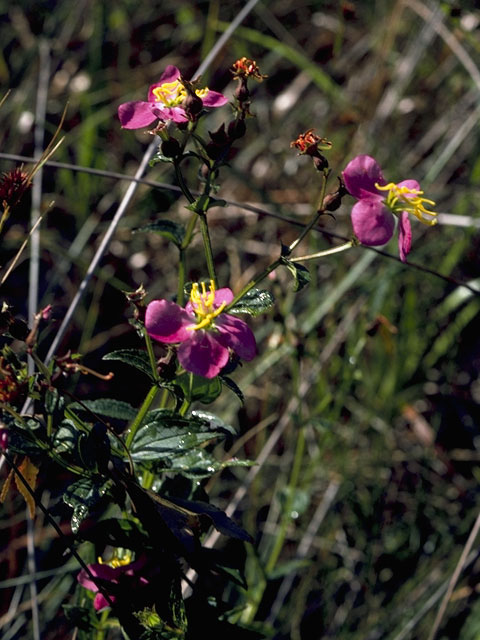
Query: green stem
{"x":182,"y":184}
{"x":315,"y":218}
{"x":253,"y":283}
{"x":297,"y":465}
{"x":100,"y":634}
{"x":141,"y":414}
{"x":182,"y":269}
{"x":328,"y":252}
{"x":207,"y":245}
{"x":151,"y":356}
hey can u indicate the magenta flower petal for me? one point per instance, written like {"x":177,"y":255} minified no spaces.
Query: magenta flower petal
{"x":223,"y":295}
{"x":177,"y":114}
{"x":404,"y":236}
{"x":360,"y":176}
{"x":237,"y":335}
{"x":167,"y":322}
{"x":135,"y":115}
{"x":373,"y":223}
{"x":214,"y":99}
{"x":203,"y":354}
{"x":100,"y":602}
{"x":100,"y":571}
{"x":170,"y":74}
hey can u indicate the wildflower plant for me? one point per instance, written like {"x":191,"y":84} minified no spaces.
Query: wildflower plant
{"x":139,"y":509}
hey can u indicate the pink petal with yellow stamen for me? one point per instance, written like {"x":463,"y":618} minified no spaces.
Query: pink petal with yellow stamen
{"x":170,"y":74}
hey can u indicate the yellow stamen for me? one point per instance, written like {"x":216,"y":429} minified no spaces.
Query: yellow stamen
{"x":405,"y":199}
{"x":171,"y":94}
{"x":117,"y":561}
{"x":202,"y":304}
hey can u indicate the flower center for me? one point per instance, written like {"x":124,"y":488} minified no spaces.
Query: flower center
{"x":202,"y":303}
{"x":171,"y":94}
{"x":117,"y":560}
{"x":411,"y":200}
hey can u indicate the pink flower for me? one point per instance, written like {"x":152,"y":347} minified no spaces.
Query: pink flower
{"x":165,"y":102}
{"x":373,"y":216}
{"x":123,"y":573}
{"x":204,"y":333}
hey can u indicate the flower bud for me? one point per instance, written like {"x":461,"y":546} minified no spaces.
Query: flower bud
{"x":237,"y":129}
{"x":171,"y":148}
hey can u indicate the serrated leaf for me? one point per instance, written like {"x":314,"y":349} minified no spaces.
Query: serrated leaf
{"x":255,"y":302}
{"x":299,"y":272}
{"x":167,"y":229}
{"x":198,"y":463}
{"x":134,"y":357}
{"x":204,"y":390}
{"x":107,"y":407}
{"x":82,"y":496}
{"x":66,"y":437}
{"x":166,"y":434}
{"x":219,"y":518}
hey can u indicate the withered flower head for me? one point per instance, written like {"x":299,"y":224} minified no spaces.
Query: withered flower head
{"x":309,"y":143}
{"x":13,"y":184}
{"x":246,"y":68}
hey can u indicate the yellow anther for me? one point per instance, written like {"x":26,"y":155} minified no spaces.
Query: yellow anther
{"x":116,"y":561}
{"x":411,"y":200}
{"x":202,"y":304}
{"x":171,"y":94}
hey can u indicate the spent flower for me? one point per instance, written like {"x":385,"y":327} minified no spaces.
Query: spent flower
{"x":379,"y":202}
{"x":169,"y":99}
{"x":204,"y":333}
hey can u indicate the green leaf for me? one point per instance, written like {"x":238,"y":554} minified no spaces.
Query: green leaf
{"x":166,"y":434}
{"x":82,"y":496}
{"x":159,"y":157}
{"x":172,"y":231}
{"x":198,"y":463}
{"x":299,"y":272}
{"x":54,"y":402}
{"x":228,"y":382}
{"x":223,"y":523}
{"x":204,"y":390}
{"x":107,"y":407}
{"x":134,"y":357}
{"x":255,"y":302}
{"x":65,"y":440}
